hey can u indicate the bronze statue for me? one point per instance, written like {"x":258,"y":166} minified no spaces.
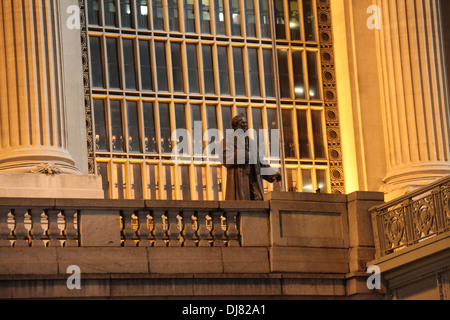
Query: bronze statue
{"x":244,"y":161}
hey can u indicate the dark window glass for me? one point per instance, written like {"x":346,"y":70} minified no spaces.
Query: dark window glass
{"x":319,"y":146}
{"x":113,"y":63}
{"x":313,"y":75}
{"x":307,"y":181}
{"x":226,"y":119}
{"x":253,"y":66}
{"x":322,"y":183}
{"x":142,"y":14}
{"x":120,"y":183}
{"x":269,"y":73}
{"x":150,"y":140}
{"x":197,"y":129}
{"x":189,"y":16}
{"x":235,"y":17}
{"x":200,"y":182}
{"x":96,"y":62}
{"x":172,"y":6}
{"x":272,"y":124}
{"x":166,"y":131}
{"x":102,"y":170}
{"x":192,"y":68}
{"x":93,"y":12}
{"x":146,"y":66}
{"x":153,"y":181}
{"x":184,"y":180}
{"x":130,"y":66}
{"x":280,"y":22}
{"x":180,"y":116}
{"x":258,"y":125}
{"x":134,"y":139}
{"x":239,"y":80}
{"x":161,"y":65}
{"x":116,"y":126}
{"x":294,"y":20}
{"x":208,"y":69}
{"x":223,"y":70}
{"x":284,"y":73}
{"x":168,"y":182}
{"x":177,"y":68}
{"x":109,"y":7}
{"x":219,"y":17}
{"x":303,"y":140}
{"x":242,"y":111}
{"x":126,"y":13}
{"x":211,"y":114}
{"x":205,"y":16}
{"x":136,"y":181}
{"x":299,"y":80}
{"x":308,"y":13}
{"x":250,"y":18}
{"x":158,"y":14}
{"x":101,"y":143}
{"x":289,"y":144}
{"x":264,"y":18}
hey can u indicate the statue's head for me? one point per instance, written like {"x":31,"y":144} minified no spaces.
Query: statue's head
{"x":240,"y":122}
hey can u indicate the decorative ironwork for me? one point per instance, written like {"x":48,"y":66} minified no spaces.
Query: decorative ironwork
{"x":330,"y":96}
{"x":413,"y":218}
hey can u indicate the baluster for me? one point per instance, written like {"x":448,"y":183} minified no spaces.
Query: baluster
{"x":5,"y":231}
{"x":53,"y":232}
{"x":204,"y":230}
{"x":70,"y":229}
{"x":144,"y":230}
{"x":189,"y":228}
{"x":217,"y":229}
{"x":37,"y":233}
{"x":20,"y":231}
{"x":174,"y":230}
{"x":129,"y":233}
{"x":158,"y":228}
{"x":232,"y":229}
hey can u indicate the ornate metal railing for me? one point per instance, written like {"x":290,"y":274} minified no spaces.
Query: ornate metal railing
{"x":412,"y":218}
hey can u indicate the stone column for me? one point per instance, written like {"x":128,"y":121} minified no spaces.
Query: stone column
{"x":414,"y":89}
{"x":33,"y":135}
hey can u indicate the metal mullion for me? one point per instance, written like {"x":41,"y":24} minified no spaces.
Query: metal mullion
{"x":173,"y":127}
{"x":319,"y":75}
{"x":215,"y":62}
{"x":137,"y":64}
{"x":290,"y":65}
{"x":287,"y":20}
{"x":245,"y":64}
{"x":301,"y":21}
{"x":165,"y":16}
{"x":168,"y":50}
{"x":184,"y":67}
{"x":153,"y":65}
{"x":295,"y":127}
{"x":257,"y":19}
{"x":201,"y":74}
{"x":243,"y":19}
{"x":312,"y":150}
{"x":316,"y":25}
{"x":226,"y":17}
{"x":197,"y":27}
{"x":261,"y":71}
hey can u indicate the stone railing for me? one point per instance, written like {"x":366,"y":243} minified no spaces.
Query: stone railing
{"x":412,"y":218}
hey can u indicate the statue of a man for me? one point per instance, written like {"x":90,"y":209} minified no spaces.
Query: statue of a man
{"x":245,"y":164}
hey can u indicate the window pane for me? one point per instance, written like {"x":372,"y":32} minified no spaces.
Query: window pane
{"x":284,"y":73}
{"x":146,"y":66}
{"x":180,"y":116}
{"x":100,"y":126}
{"x":280,"y":20}
{"x":153,"y":181}
{"x":264,"y":18}
{"x":322,"y":183}
{"x":166,"y":131}
{"x":113,"y":63}
{"x":134,"y":140}
{"x":313,"y":75}
{"x":102,"y":170}
{"x":294,"y":20}
{"x":213,"y":141}
{"x":150,"y":140}
{"x":250,"y":18}
{"x":136,"y":181}
{"x":142,"y":14}
{"x":126,"y":13}
{"x":239,"y":80}
{"x":116,"y":126}
{"x":307,"y":181}
{"x":235,"y":17}
{"x":216,"y":183}
{"x":158,"y":14}
{"x":253,"y":66}
{"x":197,"y":129}
{"x":299,"y":81}
{"x":168,"y":182}
{"x":272,"y":124}
{"x":189,"y":16}
{"x":130,"y":67}
{"x":292,"y":181}
{"x":200,"y":182}
{"x":96,"y":62}
{"x":174,"y":24}
{"x":184,"y":180}
{"x":192,"y":68}
{"x":269,"y":73}
{"x":308,"y":13}
{"x":93,"y":12}
{"x":160,"y":49}
{"x":208,"y":69}
{"x":219,"y":16}
{"x":257,"y":126}
{"x":226,"y":119}
{"x":119,"y":181}
{"x":177,"y":68}
{"x":303,"y":140}
{"x":223,"y":70}
{"x":319,"y":145}
{"x":109,"y":7}
{"x":205,"y":16}
{"x":289,"y":144}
